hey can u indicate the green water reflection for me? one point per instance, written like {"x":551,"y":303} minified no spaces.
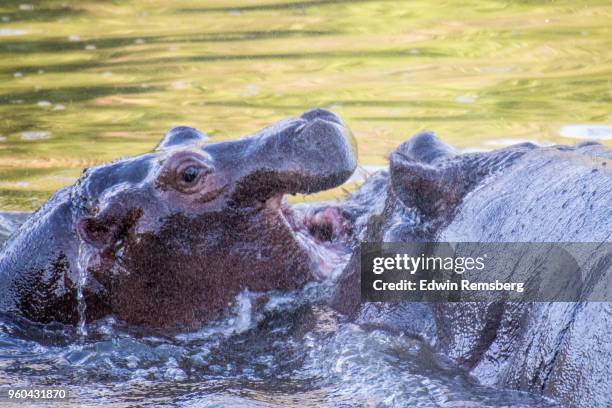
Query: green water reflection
{"x":84,"y":82}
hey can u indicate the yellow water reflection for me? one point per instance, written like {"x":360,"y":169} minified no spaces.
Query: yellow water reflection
{"x":84,"y":82}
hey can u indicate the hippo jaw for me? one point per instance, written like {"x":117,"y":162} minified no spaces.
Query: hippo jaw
{"x":323,"y":232}
{"x":172,"y":237}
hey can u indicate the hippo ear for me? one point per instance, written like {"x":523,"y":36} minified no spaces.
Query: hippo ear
{"x":421,"y":176}
{"x":179,"y":136}
{"x":425,"y":147}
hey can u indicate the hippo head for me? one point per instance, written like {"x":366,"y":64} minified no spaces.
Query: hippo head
{"x":168,"y":239}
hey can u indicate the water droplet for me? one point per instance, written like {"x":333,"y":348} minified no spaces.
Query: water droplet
{"x":17,"y":74}
{"x":44,"y":104}
{"x":26,"y":7}
{"x":90,"y":47}
{"x":74,"y":38}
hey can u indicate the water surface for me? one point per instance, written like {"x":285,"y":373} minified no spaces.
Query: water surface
{"x":287,"y":352}
{"x":84,"y":82}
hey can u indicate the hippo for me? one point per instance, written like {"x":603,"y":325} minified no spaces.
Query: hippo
{"x":166,"y":240}
{"x":523,"y":193}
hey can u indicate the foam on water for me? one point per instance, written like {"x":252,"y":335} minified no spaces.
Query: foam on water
{"x":240,"y":320}
{"x":272,"y":350}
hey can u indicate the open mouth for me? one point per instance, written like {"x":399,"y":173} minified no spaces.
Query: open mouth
{"x":322,"y":231}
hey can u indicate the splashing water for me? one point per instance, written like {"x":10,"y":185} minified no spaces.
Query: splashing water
{"x":272,"y":349}
{"x":241,"y":320}
{"x":81,"y":282}
{"x":281,"y":352}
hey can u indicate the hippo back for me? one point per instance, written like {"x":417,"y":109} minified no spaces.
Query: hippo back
{"x":555,"y":194}
{"x":523,"y":193}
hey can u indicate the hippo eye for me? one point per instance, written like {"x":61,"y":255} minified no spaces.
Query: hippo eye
{"x":190,"y":174}
{"x":185,"y":172}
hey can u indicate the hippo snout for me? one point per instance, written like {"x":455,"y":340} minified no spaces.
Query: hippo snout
{"x":313,"y":152}
{"x":323,"y":151}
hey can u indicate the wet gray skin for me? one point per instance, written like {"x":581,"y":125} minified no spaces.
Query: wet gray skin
{"x":168,"y":239}
{"x":523,"y":193}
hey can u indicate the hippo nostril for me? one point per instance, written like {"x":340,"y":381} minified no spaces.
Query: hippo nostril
{"x":323,"y":114}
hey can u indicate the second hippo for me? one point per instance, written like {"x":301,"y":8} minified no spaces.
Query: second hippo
{"x":523,"y":193}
